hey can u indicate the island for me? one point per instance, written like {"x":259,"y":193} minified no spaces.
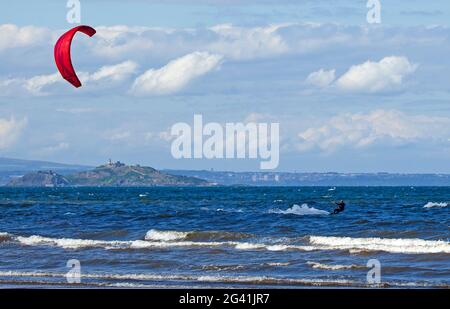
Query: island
{"x":112,"y":174}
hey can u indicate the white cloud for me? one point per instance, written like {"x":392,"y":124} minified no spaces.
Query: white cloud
{"x":111,"y":33}
{"x":10,"y":130}
{"x":362,"y":130}
{"x":12,"y":36}
{"x":118,"y":72}
{"x":176,"y":74}
{"x":371,"y":77}
{"x":238,"y":43}
{"x":116,"y":41}
{"x":321,"y":78}
{"x":248,"y":42}
{"x":235,"y":42}
{"x":231,"y":41}
{"x":288,"y":46}
{"x":35,"y":86}
{"x":54,"y":148}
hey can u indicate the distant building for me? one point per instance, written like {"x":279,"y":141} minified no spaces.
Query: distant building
{"x":114,"y":164}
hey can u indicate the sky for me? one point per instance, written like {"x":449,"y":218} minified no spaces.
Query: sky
{"x":350,"y":96}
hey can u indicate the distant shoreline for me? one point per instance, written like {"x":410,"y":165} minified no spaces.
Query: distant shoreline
{"x":13,"y":168}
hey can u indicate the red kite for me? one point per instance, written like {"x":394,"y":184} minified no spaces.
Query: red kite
{"x":62,"y":54}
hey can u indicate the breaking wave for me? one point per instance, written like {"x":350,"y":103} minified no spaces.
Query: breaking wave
{"x":433,"y":204}
{"x":139,"y":280}
{"x":228,"y":210}
{"x":71,"y":243}
{"x":271,"y":247}
{"x":158,"y":235}
{"x":302,"y":210}
{"x":223,"y":267}
{"x":165,"y":235}
{"x":168,"y":239}
{"x":333,"y":267}
{"x":278,"y":264}
{"x":406,"y":246}
{"x":200,"y":278}
{"x":5,"y":237}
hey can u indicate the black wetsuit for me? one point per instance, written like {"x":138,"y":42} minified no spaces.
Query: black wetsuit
{"x":341,"y":207}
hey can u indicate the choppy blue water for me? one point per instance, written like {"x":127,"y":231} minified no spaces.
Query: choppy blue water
{"x":224,"y":236}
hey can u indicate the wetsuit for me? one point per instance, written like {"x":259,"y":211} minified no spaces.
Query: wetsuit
{"x":341,"y":207}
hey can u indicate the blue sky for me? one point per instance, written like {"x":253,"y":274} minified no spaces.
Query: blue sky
{"x":182,"y":13}
{"x":349,"y":96}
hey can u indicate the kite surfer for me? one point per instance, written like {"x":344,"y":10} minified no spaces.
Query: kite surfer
{"x":340,"y":207}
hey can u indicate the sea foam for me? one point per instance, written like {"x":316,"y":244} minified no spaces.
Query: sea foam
{"x":315,"y":243}
{"x":165,"y":235}
{"x":402,"y":245}
{"x":169,"y":241}
{"x":5,"y":237}
{"x":141,"y":279}
{"x":198,"y":278}
{"x":302,"y":210}
{"x":433,"y":204}
{"x":333,"y":267}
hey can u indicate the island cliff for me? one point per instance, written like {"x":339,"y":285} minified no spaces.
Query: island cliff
{"x":109,"y":175}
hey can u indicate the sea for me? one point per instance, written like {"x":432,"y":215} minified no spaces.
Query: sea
{"x":225,"y":237}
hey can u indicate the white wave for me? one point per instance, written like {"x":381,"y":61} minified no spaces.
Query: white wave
{"x":229,"y":210}
{"x":402,"y":245}
{"x":165,"y":235}
{"x":5,"y":236}
{"x":276,"y":247}
{"x":332,"y":267}
{"x":300,"y":210}
{"x":157,"y":235}
{"x":91,"y":275}
{"x":223,"y":267}
{"x":143,"y":244}
{"x":433,"y":204}
{"x":201,"y":278}
{"x":73,"y":243}
{"x":356,"y":251}
{"x":128,"y":285}
{"x":276,"y":280}
{"x":407,"y":246}
{"x":278,"y":264}
{"x":68,"y":243}
{"x":249,"y":246}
